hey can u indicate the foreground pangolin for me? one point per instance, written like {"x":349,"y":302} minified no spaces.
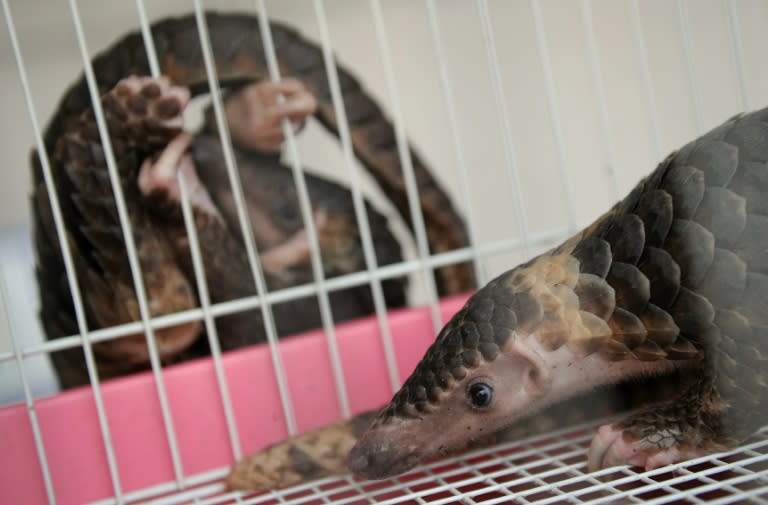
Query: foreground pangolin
{"x":675,"y":276}
{"x":143,"y":118}
{"x":670,"y":286}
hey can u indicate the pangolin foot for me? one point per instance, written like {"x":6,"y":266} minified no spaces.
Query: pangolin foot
{"x":159,"y":177}
{"x":254,"y":113}
{"x":152,"y":110}
{"x":614,"y":445}
{"x":148,"y":106}
{"x":688,"y":427}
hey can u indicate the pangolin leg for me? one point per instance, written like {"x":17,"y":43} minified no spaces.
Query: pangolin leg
{"x":142,"y":116}
{"x":254,"y":114}
{"x":159,"y":106}
{"x":158,"y":178}
{"x":159,"y":182}
{"x":685,"y":428}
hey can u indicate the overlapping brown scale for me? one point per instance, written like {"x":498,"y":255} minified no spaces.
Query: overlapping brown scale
{"x":750,"y":182}
{"x":470,"y":358}
{"x":724,"y":282}
{"x":751,"y":137}
{"x":649,"y":351}
{"x":627,"y":238}
{"x":692,"y":312}
{"x":489,"y":350}
{"x":734,"y":327}
{"x":692,"y":247}
{"x":528,"y":311}
{"x":614,"y":350}
{"x":723,"y":213}
{"x":663,"y":275}
{"x":554,"y":332}
{"x":566,"y":296}
{"x":633,"y":290}
{"x":560,"y":307}
{"x":685,"y":184}
{"x":752,"y":246}
{"x":627,"y":328}
{"x":709,"y":337}
{"x":655,"y":210}
{"x":682,"y":349}
{"x":588,"y":334}
{"x":594,"y":256}
{"x":755,"y":301}
{"x":480,"y":308}
{"x":470,"y":336}
{"x":717,"y":160}
{"x":504,"y":319}
{"x":661,"y":327}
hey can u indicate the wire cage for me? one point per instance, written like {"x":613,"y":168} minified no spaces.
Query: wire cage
{"x":535,"y":116}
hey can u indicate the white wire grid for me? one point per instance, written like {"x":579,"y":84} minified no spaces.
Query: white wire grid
{"x":544,"y":469}
{"x":490,"y":476}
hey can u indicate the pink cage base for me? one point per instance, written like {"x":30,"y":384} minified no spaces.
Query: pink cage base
{"x":74,"y":445}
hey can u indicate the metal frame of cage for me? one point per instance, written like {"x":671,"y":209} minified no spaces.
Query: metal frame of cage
{"x":483,"y":476}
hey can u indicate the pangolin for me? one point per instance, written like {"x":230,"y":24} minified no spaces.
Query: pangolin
{"x":143,"y":119}
{"x":673,"y":277}
{"x":662,"y":302}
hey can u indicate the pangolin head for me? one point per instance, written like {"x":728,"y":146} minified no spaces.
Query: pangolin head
{"x":478,"y":375}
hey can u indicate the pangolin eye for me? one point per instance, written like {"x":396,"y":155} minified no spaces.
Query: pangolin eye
{"x":480,"y":394}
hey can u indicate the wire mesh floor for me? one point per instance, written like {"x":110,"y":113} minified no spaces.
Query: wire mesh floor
{"x":545,"y":469}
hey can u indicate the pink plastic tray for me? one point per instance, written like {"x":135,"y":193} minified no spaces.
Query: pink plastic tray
{"x":75,"y":449}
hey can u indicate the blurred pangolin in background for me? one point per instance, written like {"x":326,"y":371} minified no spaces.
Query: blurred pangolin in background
{"x":144,"y":119}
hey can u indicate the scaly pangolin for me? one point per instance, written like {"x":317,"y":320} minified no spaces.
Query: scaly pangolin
{"x":672,"y":278}
{"x":141,"y":129}
{"x":669,"y":289}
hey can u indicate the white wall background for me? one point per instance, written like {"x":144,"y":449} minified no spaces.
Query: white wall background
{"x":49,"y":47}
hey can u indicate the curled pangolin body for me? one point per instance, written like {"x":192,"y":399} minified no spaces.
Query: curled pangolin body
{"x":87,"y":202}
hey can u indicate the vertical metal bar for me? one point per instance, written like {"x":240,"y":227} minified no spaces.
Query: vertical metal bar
{"x":199,"y":269}
{"x":502,"y":116}
{"x":645,"y":71}
{"x":406,"y":162}
{"x":245,"y":227}
{"x":602,"y":102}
{"x":554,"y":115}
{"x":69,"y":267}
{"x":357,"y":197}
{"x":737,"y":48}
{"x":149,"y":42}
{"x":133,"y":260}
{"x":210,"y":327}
{"x":309,"y":220}
{"x":450,"y":109}
{"x":684,"y":24}
{"x":42,"y":458}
